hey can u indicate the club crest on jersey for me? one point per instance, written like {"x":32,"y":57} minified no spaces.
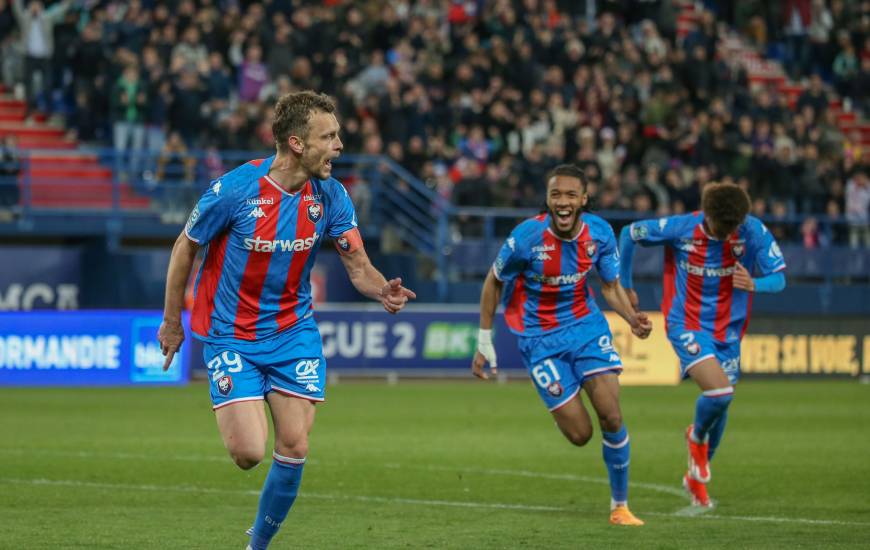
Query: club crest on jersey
{"x":591,"y":248}
{"x":315,"y":212}
{"x":343,"y":243}
{"x":555,"y":389}
{"x":225,"y":385}
{"x":693,"y":348}
{"x":738,"y":248}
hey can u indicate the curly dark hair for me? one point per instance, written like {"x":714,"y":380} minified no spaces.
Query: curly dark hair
{"x":725,"y":205}
{"x":293,"y":111}
{"x":570,"y":170}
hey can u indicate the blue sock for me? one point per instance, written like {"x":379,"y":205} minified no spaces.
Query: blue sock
{"x":615,"y":449}
{"x":279,"y":492}
{"x":716,"y":434}
{"x":711,"y":405}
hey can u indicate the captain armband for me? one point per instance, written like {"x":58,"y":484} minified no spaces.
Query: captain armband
{"x":349,"y":241}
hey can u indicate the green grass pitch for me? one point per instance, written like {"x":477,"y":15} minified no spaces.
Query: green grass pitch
{"x":434,"y":465}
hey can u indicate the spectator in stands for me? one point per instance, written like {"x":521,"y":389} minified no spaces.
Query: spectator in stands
{"x":858,"y":209}
{"x":36,"y":24}
{"x":176,"y":171}
{"x":845,"y":65}
{"x":129,"y":104}
{"x":530,"y":82}
{"x":10,"y":167}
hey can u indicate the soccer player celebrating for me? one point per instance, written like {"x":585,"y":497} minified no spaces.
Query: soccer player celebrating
{"x":564,"y":339}
{"x":262,"y":224}
{"x":706,"y":301}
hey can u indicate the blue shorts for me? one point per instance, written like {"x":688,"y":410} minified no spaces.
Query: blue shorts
{"x":559,"y":363}
{"x":290,"y":363}
{"x":694,"y":346}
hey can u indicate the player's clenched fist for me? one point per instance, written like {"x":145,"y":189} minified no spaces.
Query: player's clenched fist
{"x":485,"y":354}
{"x":641,"y":326}
{"x":742,"y":279}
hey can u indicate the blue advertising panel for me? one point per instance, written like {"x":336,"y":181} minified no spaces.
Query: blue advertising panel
{"x":86,"y":348}
{"x":420,"y":337}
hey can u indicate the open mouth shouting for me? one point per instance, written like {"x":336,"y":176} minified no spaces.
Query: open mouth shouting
{"x":564,"y":218}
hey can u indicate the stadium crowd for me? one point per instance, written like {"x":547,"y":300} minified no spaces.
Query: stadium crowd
{"x":478,"y":98}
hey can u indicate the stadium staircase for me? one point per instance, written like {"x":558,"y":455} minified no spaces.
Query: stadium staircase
{"x":770,"y":73}
{"x":60,"y":174}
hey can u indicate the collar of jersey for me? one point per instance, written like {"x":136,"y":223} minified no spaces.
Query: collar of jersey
{"x":265,"y":169}
{"x":550,"y":229}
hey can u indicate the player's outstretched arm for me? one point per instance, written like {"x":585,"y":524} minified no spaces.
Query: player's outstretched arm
{"x":618,"y":299}
{"x":372,"y":284}
{"x":485,"y":353}
{"x":171,"y":334}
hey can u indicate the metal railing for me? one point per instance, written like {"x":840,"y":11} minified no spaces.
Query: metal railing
{"x":96,"y":192}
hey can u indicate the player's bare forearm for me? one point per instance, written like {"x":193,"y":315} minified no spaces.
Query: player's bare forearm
{"x":489,"y":297}
{"x":363,"y":275}
{"x":171,"y":334}
{"x":618,"y":299}
{"x":180,"y":262}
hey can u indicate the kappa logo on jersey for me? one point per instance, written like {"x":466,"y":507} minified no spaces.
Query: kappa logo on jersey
{"x":225,"y":384}
{"x":638,"y":232}
{"x":306,"y":370}
{"x":258,"y":244}
{"x":689,"y":245}
{"x":543,"y":256}
{"x":257,"y":212}
{"x":662,"y":223}
{"x":555,"y":389}
{"x":216,"y":188}
{"x":591,"y":248}
{"x":315,"y":212}
{"x":344,"y":243}
{"x":512,"y":243}
{"x":738,"y":248}
{"x":311,"y":387}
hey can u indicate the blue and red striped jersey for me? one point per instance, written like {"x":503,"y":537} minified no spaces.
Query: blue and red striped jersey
{"x":261,"y":242}
{"x":698,"y":287}
{"x":545,"y":277}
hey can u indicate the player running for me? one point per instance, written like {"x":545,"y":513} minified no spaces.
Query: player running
{"x":262,"y":225}
{"x":563,"y":337}
{"x":706,"y":301}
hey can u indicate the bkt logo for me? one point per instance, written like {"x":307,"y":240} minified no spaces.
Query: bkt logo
{"x":306,"y":370}
{"x":258,"y":244}
{"x":257,"y":213}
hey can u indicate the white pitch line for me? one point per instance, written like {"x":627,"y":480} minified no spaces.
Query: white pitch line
{"x":394,"y":500}
{"x":543,"y":475}
{"x":125,"y":456}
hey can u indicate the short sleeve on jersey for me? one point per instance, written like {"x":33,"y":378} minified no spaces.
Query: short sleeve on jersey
{"x":211,"y":215}
{"x":608,"y":257}
{"x":511,"y":259}
{"x":768,"y":256}
{"x":342,"y":216}
{"x":651,"y":232}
